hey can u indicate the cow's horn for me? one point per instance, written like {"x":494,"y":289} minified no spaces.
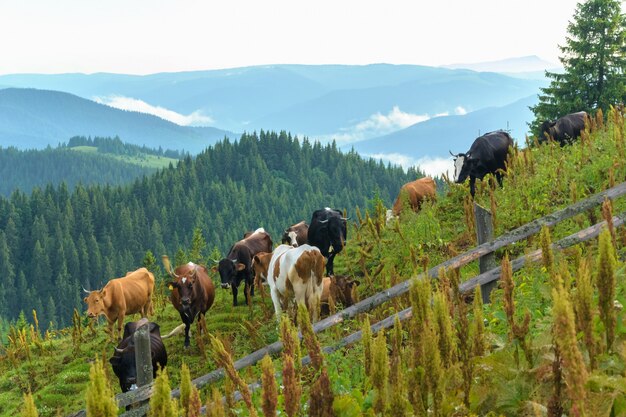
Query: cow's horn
{"x":168,"y":266}
{"x":118,"y":350}
{"x":324,"y":221}
{"x":345,"y":218}
{"x":451,"y":152}
{"x":86,"y":291}
{"x":235,"y":261}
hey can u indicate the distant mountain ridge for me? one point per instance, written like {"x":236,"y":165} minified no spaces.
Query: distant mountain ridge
{"x":31,"y":118}
{"x":530,"y":63}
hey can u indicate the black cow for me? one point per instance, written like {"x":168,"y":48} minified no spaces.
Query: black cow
{"x":563,"y":130}
{"x":487,"y":155}
{"x":296,"y":234}
{"x":123,"y":359}
{"x":328,"y":229}
{"x":236,"y":267}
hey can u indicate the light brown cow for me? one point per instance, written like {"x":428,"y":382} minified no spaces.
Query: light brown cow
{"x":415,"y":192}
{"x":121,"y":297}
{"x":338,"y":289}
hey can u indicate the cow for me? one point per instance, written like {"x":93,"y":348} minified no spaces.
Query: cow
{"x":236,"y":266}
{"x":338,"y":289}
{"x":328,"y":232}
{"x":293,"y":273}
{"x":123,"y":359}
{"x":121,"y":297}
{"x":415,"y":192}
{"x":192,"y":294}
{"x":487,"y":155}
{"x":563,"y":130}
{"x":296,"y":234}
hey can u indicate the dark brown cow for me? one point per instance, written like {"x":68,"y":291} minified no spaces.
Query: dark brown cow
{"x":339,"y":289}
{"x":565,"y":129}
{"x":121,"y":297}
{"x":415,"y":192}
{"x":192,"y":292}
{"x":236,"y":267}
{"x":296,"y":234}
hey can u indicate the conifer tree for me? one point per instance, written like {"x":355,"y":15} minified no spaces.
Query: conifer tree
{"x":594,"y":59}
{"x":100,"y":399}
{"x":29,"y":409}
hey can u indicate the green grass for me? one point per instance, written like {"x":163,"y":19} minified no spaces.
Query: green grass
{"x":144,"y":160}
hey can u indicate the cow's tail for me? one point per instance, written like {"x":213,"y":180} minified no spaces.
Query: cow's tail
{"x":177,"y":330}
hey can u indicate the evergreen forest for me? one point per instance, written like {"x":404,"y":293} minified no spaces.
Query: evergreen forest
{"x":60,"y":238}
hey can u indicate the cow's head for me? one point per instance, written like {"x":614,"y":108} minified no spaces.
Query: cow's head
{"x":463,"y":165}
{"x":95,"y":303}
{"x":228,"y":269}
{"x":260,"y":265}
{"x":289,"y":238}
{"x":183,"y":279}
{"x":344,"y":290}
{"x":547,"y":130}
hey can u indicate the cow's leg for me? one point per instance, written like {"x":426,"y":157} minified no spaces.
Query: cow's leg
{"x":472,"y":186}
{"x":234,"y":289}
{"x":499,"y":178}
{"x":246,"y":291}
{"x":276,"y":300}
{"x":120,"y":324}
{"x":330,"y":270}
{"x":187,"y":323}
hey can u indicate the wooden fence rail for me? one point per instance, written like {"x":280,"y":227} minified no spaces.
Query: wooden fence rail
{"x":467,"y":286}
{"x":520,"y":233}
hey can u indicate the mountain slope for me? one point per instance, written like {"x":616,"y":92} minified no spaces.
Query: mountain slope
{"x":435,"y":137}
{"x":31,"y":118}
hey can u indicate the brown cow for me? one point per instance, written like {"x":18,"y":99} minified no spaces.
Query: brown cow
{"x":192,"y":292}
{"x":338,"y":289}
{"x":121,"y":297}
{"x":296,"y":234}
{"x":415,"y":192}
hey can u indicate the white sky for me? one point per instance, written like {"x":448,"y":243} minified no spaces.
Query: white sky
{"x":148,"y":36}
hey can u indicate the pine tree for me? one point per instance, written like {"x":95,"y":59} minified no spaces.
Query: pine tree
{"x":594,"y":60}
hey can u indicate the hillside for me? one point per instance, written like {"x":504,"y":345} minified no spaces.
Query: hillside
{"x":456,"y":358}
{"x":109,"y":162}
{"x":31,"y":118}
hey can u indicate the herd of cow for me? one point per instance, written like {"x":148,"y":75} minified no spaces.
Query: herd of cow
{"x":294,"y":270}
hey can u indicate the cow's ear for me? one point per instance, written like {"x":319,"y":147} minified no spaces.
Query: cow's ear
{"x":103,"y":293}
{"x":85,"y":299}
{"x":214,"y":268}
{"x":172,"y":284}
{"x":354,"y":283}
{"x":240,"y":266}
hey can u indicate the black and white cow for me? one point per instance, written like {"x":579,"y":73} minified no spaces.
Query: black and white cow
{"x":487,"y":155}
{"x":328,"y":232}
{"x":563,"y":130}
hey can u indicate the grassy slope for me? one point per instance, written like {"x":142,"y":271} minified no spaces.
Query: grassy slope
{"x":144,"y":160}
{"x":540,"y":181}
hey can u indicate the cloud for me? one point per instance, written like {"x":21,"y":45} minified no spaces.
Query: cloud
{"x":132,"y":104}
{"x":394,"y":120}
{"x":432,"y":166}
{"x":460,"y":111}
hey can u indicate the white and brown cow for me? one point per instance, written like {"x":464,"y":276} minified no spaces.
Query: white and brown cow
{"x":293,"y":274}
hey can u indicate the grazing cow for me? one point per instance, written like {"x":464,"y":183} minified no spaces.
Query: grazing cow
{"x":293,"y":273}
{"x":339,"y":289}
{"x":328,"y":232}
{"x":415,"y":192}
{"x":236,"y":267}
{"x":563,"y":130}
{"x":296,"y":235}
{"x":192,"y":292}
{"x":123,"y":359}
{"x":121,"y":297}
{"x":487,"y":155}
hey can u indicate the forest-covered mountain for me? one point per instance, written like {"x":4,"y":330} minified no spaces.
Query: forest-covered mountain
{"x":82,"y":160}
{"x":31,"y":118}
{"x":57,"y":239}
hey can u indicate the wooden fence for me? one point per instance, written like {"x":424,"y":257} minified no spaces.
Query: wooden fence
{"x":144,"y":393}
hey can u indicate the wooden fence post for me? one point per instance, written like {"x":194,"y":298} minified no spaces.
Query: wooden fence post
{"x":484,"y":233}
{"x":143,"y":353}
